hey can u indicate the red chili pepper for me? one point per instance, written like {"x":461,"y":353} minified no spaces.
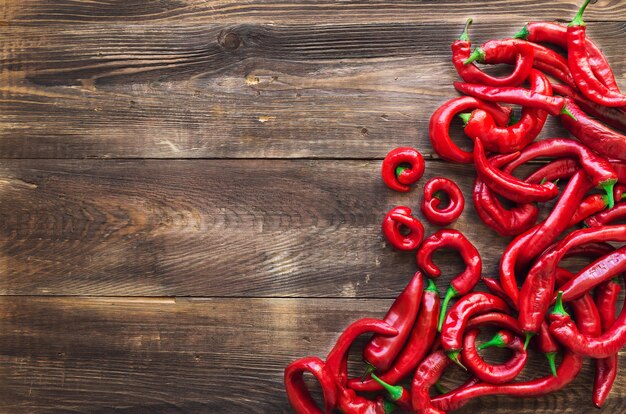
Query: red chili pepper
{"x":507,"y":185}
{"x":426,"y":375}
{"x":606,"y":368}
{"x":598,"y":169}
{"x":501,"y":320}
{"x":381,"y":351}
{"x":562,"y":168}
{"x":465,"y":281}
{"x":419,"y":343}
{"x":585,"y":310}
{"x":554,"y":105}
{"x":556,"y":34}
{"x":397,"y":393}
{"x":590,"y":205}
{"x":431,"y":201}
{"x":479,"y":124}
{"x":441,"y":119}
{"x":618,"y":212}
{"x":581,"y":67}
{"x":468,"y":306}
{"x":444,"y":401}
{"x":593,"y":134}
{"x":402,"y":167}
{"x":494,"y":374}
{"x":351,"y":403}
{"x":392,"y":229}
{"x":297,"y":392}
{"x":603,"y":346}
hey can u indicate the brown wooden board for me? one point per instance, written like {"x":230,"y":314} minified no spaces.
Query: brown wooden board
{"x":166,"y":355}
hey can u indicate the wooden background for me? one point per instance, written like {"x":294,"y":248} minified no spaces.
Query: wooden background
{"x":190,"y":194}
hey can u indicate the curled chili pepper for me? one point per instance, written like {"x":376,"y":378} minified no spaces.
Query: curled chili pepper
{"x":418,"y":344}
{"x":465,"y":281}
{"x":297,"y":392}
{"x":426,"y":375}
{"x":381,"y":351}
{"x":439,"y":130}
{"x":618,"y":212}
{"x":402,"y":167}
{"x":431,"y":202}
{"x":468,"y":306}
{"x":507,"y":185}
{"x":395,"y":220}
{"x":494,"y":374}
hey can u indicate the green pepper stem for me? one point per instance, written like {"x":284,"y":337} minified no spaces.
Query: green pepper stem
{"x":431,"y":286}
{"x":566,"y":111}
{"x":607,"y":186}
{"x":527,"y":340}
{"x":551,"y":361}
{"x":368,"y":370}
{"x":558,"y":306}
{"x":543,"y":181}
{"x":465,"y":116}
{"x":399,"y":170}
{"x":451,"y":293}
{"x":454,"y":356}
{"x":522,"y":34}
{"x":388,"y":407}
{"x":496,"y":341}
{"x":440,"y":388}
{"x":578,"y":19}
{"x":477,"y":55}
{"x":395,"y":391}
{"x":465,"y":36}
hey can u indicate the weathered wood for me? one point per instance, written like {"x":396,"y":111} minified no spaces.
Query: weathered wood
{"x":197,"y":11}
{"x":116,"y":355}
{"x":233,"y":91}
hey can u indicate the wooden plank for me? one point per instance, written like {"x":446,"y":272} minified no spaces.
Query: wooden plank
{"x":212,"y":228}
{"x":283,"y":11}
{"x":233,"y":91}
{"x":106,"y":355}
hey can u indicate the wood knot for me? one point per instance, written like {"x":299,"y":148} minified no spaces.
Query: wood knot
{"x":229,"y":40}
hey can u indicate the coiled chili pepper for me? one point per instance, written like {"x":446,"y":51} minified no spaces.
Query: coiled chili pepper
{"x":618,"y":212}
{"x":469,"y":305}
{"x":465,"y":281}
{"x":507,"y":185}
{"x":581,"y":68}
{"x":418,"y":344}
{"x":402,"y":167}
{"x":430,"y":203}
{"x":297,"y":392}
{"x":381,"y":351}
{"x":606,"y":368}
{"x":426,"y":375}
{"x":494,"y":374}
{"x":392,"y":229}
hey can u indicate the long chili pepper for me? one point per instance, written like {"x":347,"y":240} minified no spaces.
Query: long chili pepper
{"x":614,"y":117}
{"x":299,"y":396}
{"x":392,"y":226}
{"x":591,"y":205}
{"x":431,"y":202}
{"x":402,"y":167}
{"x":581,"y":68}
{"x":465,"y":281}
{"x":606,"y":368}
{"x":351,"y":403}
{"x":397,"y":393}
{"x":585,"y":310}
{"x":496,"y":138}
{"x":494,"y":287}
{"x":426,"y":375}
{"x":444,"y":401}
{"x":562,"y":168}
{"x":508,"y":185}
{"x":506,"y":51}
{"x":469,"y":305}
{"x":498,"y":319}
{"x":594,"y":134}
{"x":537,"y":291}
{"x":599,"y":170}
{"x":618,"y":212}
{"x":418,"y":344}
{"x":554,"y":105}
{"x":603,"y":346}
{"x":382,"y":350}
{"x":439,"y":129}
{"x":461,"y":51}
{"x":494,"y":374}
{"x":556,"y":34}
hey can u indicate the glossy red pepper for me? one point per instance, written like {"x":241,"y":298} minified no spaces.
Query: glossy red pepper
{"x":498,"y":319}
{"x":507,"y":185}
{"x":402,"y":167}
{"x":426,"y":375}
{"x":431,"y":202}
{"x":585,"y":310}
{"x":581,"y":67}
{"x":397,"y":393}
{"x":418,"y":344}
{"x":351,"y":403}
{"x":444,"y":402}
{"x":494,"y":287}
{"x":494,"y":374}
{"x":591,"y":205}
{"x":465,"y":308}
{"x":381,"y":351}
{"x":618,"y":212}
{"x":297,"y":392}
{"x":465,"y":281}
{"x":395,"y":220}
{"x":562,"y":168}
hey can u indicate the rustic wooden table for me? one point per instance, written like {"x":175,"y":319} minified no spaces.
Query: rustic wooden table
{"x":190,"y":194}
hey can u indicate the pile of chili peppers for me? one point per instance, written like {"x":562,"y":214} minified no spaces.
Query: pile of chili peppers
{"x":419,"y":337}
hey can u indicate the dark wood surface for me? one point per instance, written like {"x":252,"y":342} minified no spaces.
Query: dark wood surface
{"x":190,"y":194}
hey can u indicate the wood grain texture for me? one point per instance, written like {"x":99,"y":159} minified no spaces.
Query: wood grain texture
{"x":140,"y":355}
{"x":234,"y":91}
{"x":326,"y":11}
